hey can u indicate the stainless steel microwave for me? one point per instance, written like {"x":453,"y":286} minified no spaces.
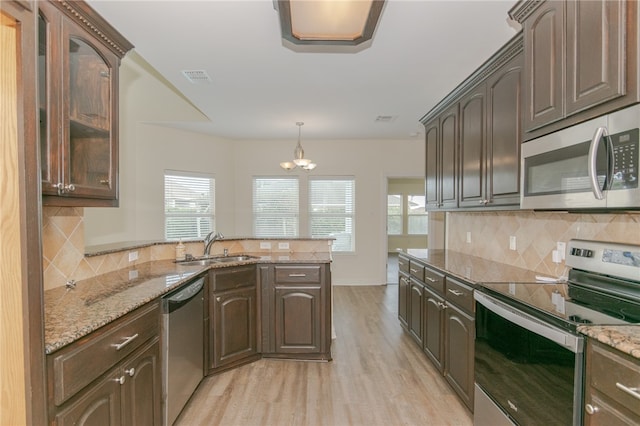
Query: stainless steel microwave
{"x":592,"y":165}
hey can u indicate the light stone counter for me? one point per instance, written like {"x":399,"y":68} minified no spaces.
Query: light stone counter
{"x":625,"y":338}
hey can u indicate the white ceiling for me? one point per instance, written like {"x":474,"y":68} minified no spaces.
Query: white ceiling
{"x":421,"y":50}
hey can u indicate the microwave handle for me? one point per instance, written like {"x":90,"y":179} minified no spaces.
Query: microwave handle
{"x":593,"y":172}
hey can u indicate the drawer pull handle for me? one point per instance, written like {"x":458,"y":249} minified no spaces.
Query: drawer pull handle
{"x":455,"y":292}
{"x":297,"y":275}
{"x":130,"y":371}
{"x":631,"y":391}
{"x":431,"y":280}
{"x":128,"y":340}
{"x":591,"y":409}
{"x":120,"y":380}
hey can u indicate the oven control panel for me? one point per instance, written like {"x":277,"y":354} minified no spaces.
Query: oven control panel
{"x":608,"y":258}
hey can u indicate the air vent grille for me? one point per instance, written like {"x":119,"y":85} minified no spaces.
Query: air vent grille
{"x":197,"y":76}
{"x":385,"y":118}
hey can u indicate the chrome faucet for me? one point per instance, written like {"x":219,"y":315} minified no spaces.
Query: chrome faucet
{"x":210,"y":239}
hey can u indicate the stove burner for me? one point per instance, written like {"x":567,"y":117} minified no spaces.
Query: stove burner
{"x":579,"y":319}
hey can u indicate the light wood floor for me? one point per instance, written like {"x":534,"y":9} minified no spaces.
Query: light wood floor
{"x":378,"y":376}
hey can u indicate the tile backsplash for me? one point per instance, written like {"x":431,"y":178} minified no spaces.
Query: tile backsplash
{"x":536,"y":234}
{"x":63,"y":249}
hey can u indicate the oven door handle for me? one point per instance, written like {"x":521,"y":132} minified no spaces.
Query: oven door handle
{"x":574,"y":343}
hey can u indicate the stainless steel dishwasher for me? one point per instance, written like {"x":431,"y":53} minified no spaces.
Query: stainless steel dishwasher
{"x":183,"y":346}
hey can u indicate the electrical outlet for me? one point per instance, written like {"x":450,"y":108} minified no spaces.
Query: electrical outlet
{"x":283,"y":246}
{"x":265,"y":245}
{"x":133,"y":256}
{"x":512,"y":242}
{"x":562,"y":249}
{"x":133,"y":274}
{"x":468,"y":237}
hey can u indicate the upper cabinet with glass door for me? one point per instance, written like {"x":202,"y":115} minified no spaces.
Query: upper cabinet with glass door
{"x":79,"y":56}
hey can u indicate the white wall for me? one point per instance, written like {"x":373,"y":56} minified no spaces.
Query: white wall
{"x":149,"y":146}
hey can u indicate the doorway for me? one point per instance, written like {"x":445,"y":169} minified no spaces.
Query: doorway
{"x":407,"y":220}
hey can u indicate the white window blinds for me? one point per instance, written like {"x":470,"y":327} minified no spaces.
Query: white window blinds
{"x":332,"y":211}
{"x":275,"y":207}
{"x":189,"y":205}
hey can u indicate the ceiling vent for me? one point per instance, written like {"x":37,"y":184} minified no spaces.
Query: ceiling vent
{"x":197,"y":76}
{"x":385,"y":118}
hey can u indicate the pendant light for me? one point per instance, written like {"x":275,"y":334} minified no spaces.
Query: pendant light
{"x":298,"y":156}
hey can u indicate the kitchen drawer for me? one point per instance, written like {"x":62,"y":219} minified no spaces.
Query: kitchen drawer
{"x":459,"y":294}
{"x":416,"y":270}
{"x":403,"y":264}
{"x":297,"y":274}
{"x":233,"y":277}
{"x":610,"y":372}
{"x":434,"y":279}
{"x":75,"y":366}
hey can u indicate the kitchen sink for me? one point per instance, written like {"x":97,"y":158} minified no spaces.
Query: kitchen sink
{"x":217,"y":259}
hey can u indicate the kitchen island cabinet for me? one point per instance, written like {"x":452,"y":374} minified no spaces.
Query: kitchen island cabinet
{"x":403,"y":291}
{"x":296,"y":311}
{"x":79,"y":57}
{"x":581,"y":60}
{"x":233,"y":317}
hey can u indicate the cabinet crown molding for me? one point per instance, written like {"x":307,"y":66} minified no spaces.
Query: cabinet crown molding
{"x":522,"y":9}
{"x":81,"y":13}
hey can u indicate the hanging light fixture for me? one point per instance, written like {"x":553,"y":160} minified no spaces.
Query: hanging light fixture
{"x":298,"y":156}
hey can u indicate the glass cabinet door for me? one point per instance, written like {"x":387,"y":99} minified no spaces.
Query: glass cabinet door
{"x":89,"y":148}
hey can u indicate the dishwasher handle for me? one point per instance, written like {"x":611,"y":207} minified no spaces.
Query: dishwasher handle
{"x":182,"y":296}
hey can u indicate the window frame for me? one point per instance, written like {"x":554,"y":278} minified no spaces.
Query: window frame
{"x":255,"y":214}
{"x":211,"y":215}
{"x":351,"y":215}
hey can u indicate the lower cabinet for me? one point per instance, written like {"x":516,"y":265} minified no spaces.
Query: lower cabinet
{"x":440,"y":318}
{"x":611,"y":387}
{"x":459,"y":347}
{"x":433,"y":328}
{"x":296,"y":311}
{"x":110,"y":377}
{"x":233,"y":338}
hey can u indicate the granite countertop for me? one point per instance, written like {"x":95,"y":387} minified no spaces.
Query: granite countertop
{"x":481,"y":272}
{"x":95,"y":302}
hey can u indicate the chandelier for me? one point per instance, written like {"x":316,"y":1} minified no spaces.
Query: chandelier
{"x":298,"y":156}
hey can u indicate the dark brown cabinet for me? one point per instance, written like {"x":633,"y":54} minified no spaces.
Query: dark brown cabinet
{"x":581,"y":60}
{"x":111,"y":376}
{"x":403,"y":300}
{"x":79,"y":56}
{"x":490,"y":135}
{"x":233,"y":338}
{"x":473,"y":137}
{"x":433,"y":328}
{"x":440,"y":312}
{"x":611,"y":387}
{"x":296,"y":311}
{"x":442,"y":160}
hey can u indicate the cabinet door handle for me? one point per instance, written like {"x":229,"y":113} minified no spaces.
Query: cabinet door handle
{"x":631,"y":391}
{"x":455,"y":292}
{"x":297,"y":275}
{"x":120,"y":380}
{"x":414,"y":270}
{"x":591,"y":409}
{"x":128,"y":340}
{"x":130,"y":371}
{"x":217,"y":299}
{"x":431,"y":280}
{"x":69,"y":188}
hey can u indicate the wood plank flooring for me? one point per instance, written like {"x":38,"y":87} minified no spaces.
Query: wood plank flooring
{"x":378,"y":376}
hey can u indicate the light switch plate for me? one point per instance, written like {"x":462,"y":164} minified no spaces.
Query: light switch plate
{"x":468,"y":237}
{"x":133,"y":256}
{"x":562,"y":248}
{"x":512,"y":242}
{"x":283,"y":246}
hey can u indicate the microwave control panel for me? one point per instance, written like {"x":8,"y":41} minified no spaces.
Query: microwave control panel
{"x":625,"y":154}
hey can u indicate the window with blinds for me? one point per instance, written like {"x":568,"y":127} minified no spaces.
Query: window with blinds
{"x":417,"y":215}
{"x":332,"y":211}
{"x":189,"y":205}
{"x":275,"y":207}
{"x":394,"y":214}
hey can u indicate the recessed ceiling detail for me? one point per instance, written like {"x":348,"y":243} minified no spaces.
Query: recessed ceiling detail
{"x":329,"y":22}
{"x":197,"y":76}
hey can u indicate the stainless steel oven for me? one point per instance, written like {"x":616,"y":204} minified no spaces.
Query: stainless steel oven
{"x":529,"y":357}
{"x":590,"y":165}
